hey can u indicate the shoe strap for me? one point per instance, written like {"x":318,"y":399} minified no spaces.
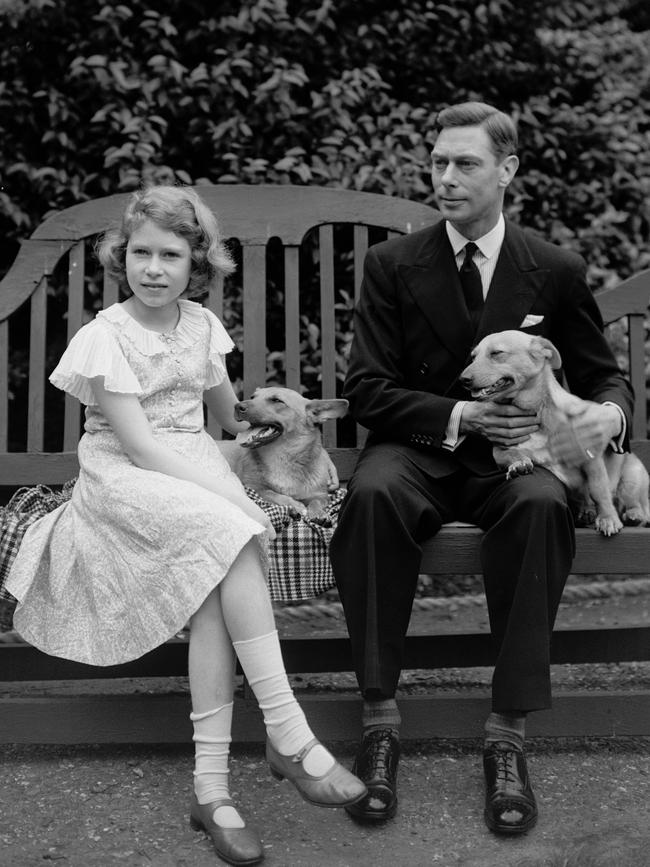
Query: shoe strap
{"x":300,"y":755}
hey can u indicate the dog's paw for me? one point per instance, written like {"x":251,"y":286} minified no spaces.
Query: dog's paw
{"x":635,"y":517}
{"x":586,"y":517}
{"x":608,"y":526}
{"x":519,"y":468}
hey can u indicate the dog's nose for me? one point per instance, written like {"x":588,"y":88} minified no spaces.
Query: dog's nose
{"x":240,"y":407}
{"x":465,"y":381}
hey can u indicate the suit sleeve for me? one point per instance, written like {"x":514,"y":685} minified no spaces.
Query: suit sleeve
{"x":381,"y":398}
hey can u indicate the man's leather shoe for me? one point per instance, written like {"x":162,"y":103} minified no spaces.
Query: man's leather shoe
{"x":376,"y":766}
{"x":510,"y":806}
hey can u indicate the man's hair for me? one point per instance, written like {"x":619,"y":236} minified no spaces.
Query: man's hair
{"x":179,"y":210}
{"x":499,"y":126}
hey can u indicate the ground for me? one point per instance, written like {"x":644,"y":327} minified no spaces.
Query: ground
{"x":103,"y":806}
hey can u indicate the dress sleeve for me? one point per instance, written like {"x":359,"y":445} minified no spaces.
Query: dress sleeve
{"x":94,"y":351}
{"x":220,"y":346}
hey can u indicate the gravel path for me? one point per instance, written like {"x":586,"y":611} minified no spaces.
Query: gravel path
{"x":103,"y":806}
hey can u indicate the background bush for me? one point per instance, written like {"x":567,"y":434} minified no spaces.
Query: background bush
{"x":97,"y":96}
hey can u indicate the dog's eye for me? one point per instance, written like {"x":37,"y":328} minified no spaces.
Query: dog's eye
{"x":276,"y":400}
{"x":496,"y":353}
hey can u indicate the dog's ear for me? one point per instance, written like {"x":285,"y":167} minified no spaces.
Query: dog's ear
{"x":319,"y":410}
{"x":540,"y":347}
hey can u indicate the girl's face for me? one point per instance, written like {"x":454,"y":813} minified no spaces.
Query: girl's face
{"x":158,"y":265}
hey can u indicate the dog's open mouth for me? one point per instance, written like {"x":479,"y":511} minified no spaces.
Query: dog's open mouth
{"x":495,"y":388}
{"x":258,"y":435}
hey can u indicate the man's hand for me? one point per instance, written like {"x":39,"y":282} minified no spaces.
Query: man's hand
{"x":504,"y":425}
{"x":590,"y":428}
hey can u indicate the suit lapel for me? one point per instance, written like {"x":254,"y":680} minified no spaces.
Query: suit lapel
{"x":516,"y":283}
{"x":434,"y":285}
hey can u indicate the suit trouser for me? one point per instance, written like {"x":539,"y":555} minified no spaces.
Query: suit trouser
{"x":394,"y":503}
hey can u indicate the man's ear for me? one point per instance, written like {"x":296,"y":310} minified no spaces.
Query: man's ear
{"x":319,"y":410}
{"x":540,"y":347}
{"x":508,"y":169}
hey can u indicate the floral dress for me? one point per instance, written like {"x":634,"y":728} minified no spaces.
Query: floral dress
{"x":120,"y":567}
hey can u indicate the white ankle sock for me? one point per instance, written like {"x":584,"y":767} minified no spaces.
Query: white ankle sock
{"x":286,"y":726}
{"x":212,"y":747}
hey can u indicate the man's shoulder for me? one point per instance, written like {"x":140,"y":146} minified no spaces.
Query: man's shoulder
{"x":546,"y":253}
{"x":409,"y":247}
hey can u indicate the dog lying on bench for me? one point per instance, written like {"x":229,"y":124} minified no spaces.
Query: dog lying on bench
{"x":282,"y":456}
{"x":517,"y":368}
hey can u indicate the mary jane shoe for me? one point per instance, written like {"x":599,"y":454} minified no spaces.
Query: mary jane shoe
{"x":335,"y":788}
{"x":239,"y":846}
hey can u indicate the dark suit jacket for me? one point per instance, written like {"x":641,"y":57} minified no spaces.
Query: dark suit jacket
{"x":412,"y":336}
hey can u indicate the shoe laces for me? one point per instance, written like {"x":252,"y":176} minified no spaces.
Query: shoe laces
{"x":506,"y":765}
{"x":378,"y":743}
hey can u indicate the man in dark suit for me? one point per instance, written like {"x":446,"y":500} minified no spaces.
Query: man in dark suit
{"x":426,"y":299}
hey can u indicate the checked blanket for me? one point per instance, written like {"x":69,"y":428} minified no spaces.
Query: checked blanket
{"x":299,"y":563}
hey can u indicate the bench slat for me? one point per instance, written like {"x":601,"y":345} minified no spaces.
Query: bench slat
{"x":327,"y":328}
{"x":21,"y":662}
{"x":254,"y":281}
{"x":76,"y":275}
{"x":36,"y":396}
{"x":292,"y":316}
{"x":4,"y":385}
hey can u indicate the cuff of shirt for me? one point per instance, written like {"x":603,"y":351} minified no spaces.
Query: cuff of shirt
{"x":617,"y":442}
{"x":452,"y":436}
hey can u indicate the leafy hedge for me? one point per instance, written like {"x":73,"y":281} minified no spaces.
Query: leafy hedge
{"x":98,"y":95}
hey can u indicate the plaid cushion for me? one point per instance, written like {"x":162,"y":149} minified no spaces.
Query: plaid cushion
{"x":299,"y":562}
{"x":26,"y":506}
{"x":300,"y":566}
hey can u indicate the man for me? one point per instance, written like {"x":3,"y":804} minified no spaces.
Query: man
{"x":426,"y":299}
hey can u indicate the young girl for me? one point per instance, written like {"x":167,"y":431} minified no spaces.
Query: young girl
{"x":158,"y":529}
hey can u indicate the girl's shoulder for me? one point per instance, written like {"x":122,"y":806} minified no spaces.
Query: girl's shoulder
{"x":194,"y":317}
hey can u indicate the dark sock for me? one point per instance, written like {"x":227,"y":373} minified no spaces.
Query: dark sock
{"x":507,"y":728}
{"x":382,"y":714}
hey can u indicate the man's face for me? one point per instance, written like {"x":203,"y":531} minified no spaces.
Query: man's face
{"x":469,"y":180}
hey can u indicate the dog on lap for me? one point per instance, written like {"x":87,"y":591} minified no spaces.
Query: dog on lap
{"x":426,"y":300}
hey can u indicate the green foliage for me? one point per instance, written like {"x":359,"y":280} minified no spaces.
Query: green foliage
{"x":98,"y":96}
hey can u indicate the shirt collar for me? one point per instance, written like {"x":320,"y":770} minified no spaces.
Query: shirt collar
{"x":489,"y":244}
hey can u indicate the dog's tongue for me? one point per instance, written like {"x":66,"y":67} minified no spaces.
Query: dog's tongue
{"x":257,"y":436}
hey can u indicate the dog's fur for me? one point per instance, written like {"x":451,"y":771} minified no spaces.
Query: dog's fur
{"x":517,"y":368}
{"x":282,"y":456}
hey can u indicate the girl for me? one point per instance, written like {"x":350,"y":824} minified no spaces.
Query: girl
{"x":158,"y":529}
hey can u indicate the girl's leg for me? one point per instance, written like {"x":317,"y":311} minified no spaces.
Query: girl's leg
{"x":292,"y":749}
{"x":249,"y":617}
{"x":211,"y":664}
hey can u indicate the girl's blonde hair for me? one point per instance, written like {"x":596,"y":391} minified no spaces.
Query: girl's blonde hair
{"x":175,"y":209}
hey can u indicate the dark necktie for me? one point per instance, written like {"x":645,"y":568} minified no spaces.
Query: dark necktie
{"x":470,"y":280}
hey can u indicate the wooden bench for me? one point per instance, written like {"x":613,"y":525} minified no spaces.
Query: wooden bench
{"x":301,"y":253}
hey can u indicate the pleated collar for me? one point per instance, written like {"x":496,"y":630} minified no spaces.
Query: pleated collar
{"x":191,"y":326}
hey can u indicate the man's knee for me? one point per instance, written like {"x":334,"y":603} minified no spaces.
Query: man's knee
{"x":539,"y":494}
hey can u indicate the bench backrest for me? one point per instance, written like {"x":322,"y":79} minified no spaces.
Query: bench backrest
{"x":300,"y":253}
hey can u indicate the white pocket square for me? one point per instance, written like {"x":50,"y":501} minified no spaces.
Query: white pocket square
{"x":531,"y":320}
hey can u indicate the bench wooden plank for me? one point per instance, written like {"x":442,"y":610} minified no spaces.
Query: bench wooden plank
{"x":4,"y":385}
{"x":76,"y":275}
{"x":164,"y":719}
{"x":21,"y":662}
{"x":36,"y":398}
